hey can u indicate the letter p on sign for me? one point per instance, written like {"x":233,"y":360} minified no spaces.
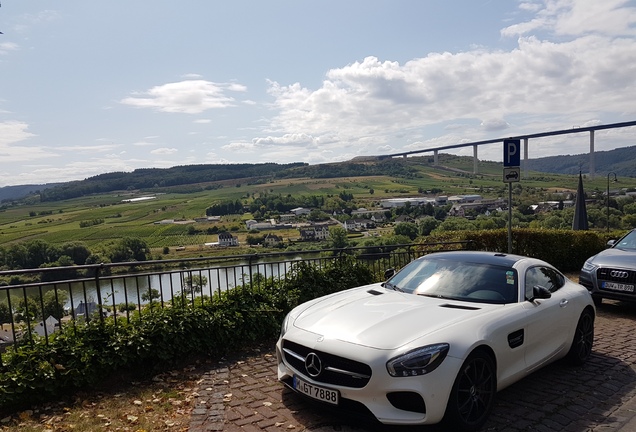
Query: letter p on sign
{"x":512,"y":153}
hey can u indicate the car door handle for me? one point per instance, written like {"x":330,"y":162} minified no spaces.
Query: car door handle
{"x":563,"y":303}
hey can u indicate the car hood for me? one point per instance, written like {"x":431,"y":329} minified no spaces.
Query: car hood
{"x":384,"y":319}
{"x":615,"y":258}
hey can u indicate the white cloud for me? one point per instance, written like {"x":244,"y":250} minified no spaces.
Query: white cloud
{"x":495,"y":124}
{"x":12,"y":132}
{"x":89,"y":148}
{"x":164,"y":151}
{"x":6,"y":47}
{"x":190,"y":97}
{"x":578,"y":17}
{"x":543,"y":82}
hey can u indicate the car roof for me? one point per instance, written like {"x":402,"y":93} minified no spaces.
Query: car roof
{"x":492,"y":258}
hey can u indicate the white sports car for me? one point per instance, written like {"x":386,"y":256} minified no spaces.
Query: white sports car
{"x":437,"y":339}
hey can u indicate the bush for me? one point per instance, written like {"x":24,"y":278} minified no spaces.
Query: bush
{"x":85,"y":354}
{"x":567,"y":250}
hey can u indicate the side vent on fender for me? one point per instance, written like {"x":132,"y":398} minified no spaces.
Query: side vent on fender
{"x":515,"y":339}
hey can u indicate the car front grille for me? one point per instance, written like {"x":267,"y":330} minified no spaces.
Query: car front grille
{"x":334,"y":369}
{"x":616,"y":275}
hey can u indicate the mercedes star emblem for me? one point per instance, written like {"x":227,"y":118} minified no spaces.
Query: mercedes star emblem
{"x":313,"y":364}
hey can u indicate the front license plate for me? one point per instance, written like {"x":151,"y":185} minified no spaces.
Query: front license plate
{"x":316,"y":392}
{"x":618,"y":287}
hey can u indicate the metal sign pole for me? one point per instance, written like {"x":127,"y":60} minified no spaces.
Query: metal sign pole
{"x":511,"y":173}
{"x":509,"y":218}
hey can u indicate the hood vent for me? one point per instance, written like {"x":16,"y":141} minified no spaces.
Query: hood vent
{"x":455,"y":306}
{"x":374,"y":292}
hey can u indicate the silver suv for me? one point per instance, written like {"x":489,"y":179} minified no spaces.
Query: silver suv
{"x":612,"y":273}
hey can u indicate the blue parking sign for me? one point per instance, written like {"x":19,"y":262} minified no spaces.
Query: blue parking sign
{"x":512,"y":153}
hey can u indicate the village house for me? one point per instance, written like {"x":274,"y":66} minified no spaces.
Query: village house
{"x":300,"y":211}
{"x":227,"y":239}
{"x":85,"y":309}
{"x":318,"y":232}
{"x":47,"y":327}
{"x":255,"y":225}
{"x":358,"y":224}
{"x":272,"y":240}
{"x":403,"y":218}
{"x":401,"y":202}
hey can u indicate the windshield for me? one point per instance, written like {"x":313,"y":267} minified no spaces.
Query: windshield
{"x":628,"y":242}
{"x":450,"y":279}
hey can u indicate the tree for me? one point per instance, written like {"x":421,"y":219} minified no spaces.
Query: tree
{"x":338,"y":237}
{"x":408,"y":229}
{"x":317,"y":215}
{"x":5,"y":313}
{"x":428,"y":224}
{"x":455,"y":224}
{"x":67,"y":271}
{"x":629,"y":221}
{"x":440,"y":213}
{"x":150,"y":295}
{"x":77,"y":251}
{"x":28,"y":309}
{"x":254,"y":239}
{"x":129,"y":249}
{"x":629,"y":209}
{"x":16,"y":256}
{"x":54,"y":304}
{"x":194,"y":283}
{"x":38,"y":253}
{"x":485,"y":223}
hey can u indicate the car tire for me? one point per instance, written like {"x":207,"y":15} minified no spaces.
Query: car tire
{"x":581,"y":348}
{"x":473,"y":393}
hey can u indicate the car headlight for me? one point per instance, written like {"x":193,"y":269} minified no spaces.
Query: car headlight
{"x":589,"y":267}
{"x":419,"y":361}
{"x":283,"y":327}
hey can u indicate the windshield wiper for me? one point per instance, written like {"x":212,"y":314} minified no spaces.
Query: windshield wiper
{"x":393,"y":287}
{"x":439,"y":296}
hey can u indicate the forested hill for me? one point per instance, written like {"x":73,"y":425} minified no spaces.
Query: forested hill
{"x":20,"y":191}
{"x":621,"y":161}
{"x":158,"y":178}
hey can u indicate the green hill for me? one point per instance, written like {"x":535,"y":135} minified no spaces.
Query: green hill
{"x":621,"y":161}
{"x":190,"y":178}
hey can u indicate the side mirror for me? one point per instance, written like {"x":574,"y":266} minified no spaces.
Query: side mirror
{"x":388,"y":273}
{"x":610,"y":243}
{"x":540,"y":292}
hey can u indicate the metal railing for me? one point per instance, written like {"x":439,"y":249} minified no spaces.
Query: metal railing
{"x":41,"y":301}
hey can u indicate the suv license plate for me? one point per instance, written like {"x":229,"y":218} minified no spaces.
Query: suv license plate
{"x":618,"y":287}
{"x":316,"y":392}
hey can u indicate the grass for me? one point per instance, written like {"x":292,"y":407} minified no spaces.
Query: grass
{"x":161,"y":404}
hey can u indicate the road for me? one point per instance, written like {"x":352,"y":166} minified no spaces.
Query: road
{"x":243,"y":394}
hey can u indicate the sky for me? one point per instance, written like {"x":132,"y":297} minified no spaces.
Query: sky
{"x":90,"y":87}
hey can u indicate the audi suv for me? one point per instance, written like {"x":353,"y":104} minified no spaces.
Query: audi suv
{"x":611,"y":273}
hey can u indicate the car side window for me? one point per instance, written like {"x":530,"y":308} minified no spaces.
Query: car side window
{"x":545,"y":277}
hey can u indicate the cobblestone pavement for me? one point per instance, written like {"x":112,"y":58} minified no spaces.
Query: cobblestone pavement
{"x":244,"y":395}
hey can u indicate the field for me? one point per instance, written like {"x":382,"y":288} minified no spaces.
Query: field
{"x":108,"y":217}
